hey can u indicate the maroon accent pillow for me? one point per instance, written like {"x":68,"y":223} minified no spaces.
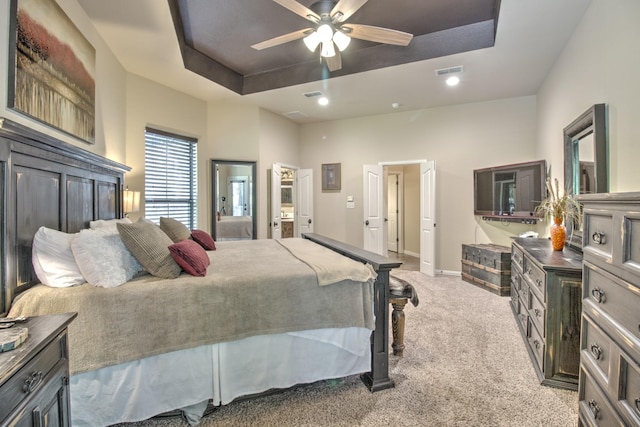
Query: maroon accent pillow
{"x":191,"y":257}
{"x":204,"y":239}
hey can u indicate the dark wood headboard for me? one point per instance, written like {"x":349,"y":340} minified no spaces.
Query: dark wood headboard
{"x":47,"y":182}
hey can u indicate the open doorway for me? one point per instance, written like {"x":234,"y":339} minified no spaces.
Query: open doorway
{"x":375,"y":232}
{"x":403,"y":208}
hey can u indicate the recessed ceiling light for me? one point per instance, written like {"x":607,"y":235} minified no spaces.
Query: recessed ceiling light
{"x":323,"y":100}
{"x":453,"y":80}
{"x":395,"y":105}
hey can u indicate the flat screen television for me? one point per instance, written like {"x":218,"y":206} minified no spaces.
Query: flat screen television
{"x":511,"y":190}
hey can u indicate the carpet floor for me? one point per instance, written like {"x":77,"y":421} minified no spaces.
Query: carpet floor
{"x":465,"y":364}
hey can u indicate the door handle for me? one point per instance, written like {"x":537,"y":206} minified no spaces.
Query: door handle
{"x":309,"y":220}
{"x":366,"y":222}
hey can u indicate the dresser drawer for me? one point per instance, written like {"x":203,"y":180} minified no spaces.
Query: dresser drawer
{"x":631,"y":245}
{"x":630,"y":389}
{"x":522,"y":316}
{"x":596,"y":346}
{"x":536,"y":278}
{"x":516,"y":257}
{"x":537,"y":344}
{"x":598,"y":234}
{"x":516,"y":281}
{"x":614,"y":296}
{"x":538,"y":313}
{"x":514,"y":296}
{"x":29,"y":378}
{"x":595,"y":409}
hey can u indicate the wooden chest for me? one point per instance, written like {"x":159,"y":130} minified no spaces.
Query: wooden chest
{"x":487,"y":266}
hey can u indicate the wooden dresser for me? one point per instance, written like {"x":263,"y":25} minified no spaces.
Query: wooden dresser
{"x":609,"y":392}
{"x":546,"y":301}
{"x":34,"y":378}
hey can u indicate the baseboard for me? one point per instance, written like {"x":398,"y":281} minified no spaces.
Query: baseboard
{"x":413,"y":254}
{"x":448,"y":273}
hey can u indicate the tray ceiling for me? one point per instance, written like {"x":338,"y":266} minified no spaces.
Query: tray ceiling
{"x":215,"y":38}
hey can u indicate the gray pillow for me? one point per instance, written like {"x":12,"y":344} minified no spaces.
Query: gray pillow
{"x":150,"y":245}
{"x":176,"y":230}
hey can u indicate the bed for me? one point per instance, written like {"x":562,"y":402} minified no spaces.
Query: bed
{"x":222,"y":351}
{"x":234,"y":227}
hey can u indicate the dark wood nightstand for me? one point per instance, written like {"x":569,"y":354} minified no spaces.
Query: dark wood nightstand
{"x":34,"y":378}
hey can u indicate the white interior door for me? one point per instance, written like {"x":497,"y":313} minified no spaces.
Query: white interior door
{"x":428,"y":217}
{"x":276,"y":206}
{"x":392,"y":212}
{"x":375,"y":236}
{"x":304,"y":201}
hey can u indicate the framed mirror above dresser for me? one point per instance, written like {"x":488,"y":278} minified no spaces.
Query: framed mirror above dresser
{"x":586,"y":163}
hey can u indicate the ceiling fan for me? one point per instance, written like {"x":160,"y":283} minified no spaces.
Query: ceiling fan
{"x":331,"y":29}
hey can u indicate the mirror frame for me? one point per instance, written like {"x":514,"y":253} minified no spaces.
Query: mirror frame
{"x":254,"y":193}
{"x":594,"y":120}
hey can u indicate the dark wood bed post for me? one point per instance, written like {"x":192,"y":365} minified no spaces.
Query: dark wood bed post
{"x":378,"y":379}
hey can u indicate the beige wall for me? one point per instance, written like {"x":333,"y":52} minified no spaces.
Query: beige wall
{"x":600,"y":64}
{"x":459,"y":138}
{"x":278,"y":144}
{"x":149,"y":104}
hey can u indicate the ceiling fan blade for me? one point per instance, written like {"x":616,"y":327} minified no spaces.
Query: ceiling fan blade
{"x":299,"y":9}
{"x":346,"y":9}
{"x":282,"y":39}
{"x":378,"y":34}
{"x":334,"y":62}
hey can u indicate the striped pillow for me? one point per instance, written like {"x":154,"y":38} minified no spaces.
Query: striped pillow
{"x":150,"y":245}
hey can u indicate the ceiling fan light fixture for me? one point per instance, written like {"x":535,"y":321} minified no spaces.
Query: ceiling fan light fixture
{"x":325,"y":32}
{"x":312,"y":41}
{"x":328,"y":49}
{"x":341,"y":40}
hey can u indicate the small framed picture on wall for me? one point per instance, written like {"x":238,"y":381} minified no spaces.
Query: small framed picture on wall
{"x":331,"y":176}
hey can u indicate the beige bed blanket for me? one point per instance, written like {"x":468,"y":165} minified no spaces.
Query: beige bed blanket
{"x":252,"y":287}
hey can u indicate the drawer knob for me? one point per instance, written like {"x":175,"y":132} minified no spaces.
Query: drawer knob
{"x":595,"y":409}
{"x":596,"y":351}
{"x":32,"y":382}
{"x":598,"y":238}
{"x":536,"y":344}
{"x":598,"y":295}
{"x":537,"y":312}
{"x":539,"y":283}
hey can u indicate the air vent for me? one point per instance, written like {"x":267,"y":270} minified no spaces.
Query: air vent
{"x":313,"y":94}
{"x":450,"y":70}
{"x":294,"y":115}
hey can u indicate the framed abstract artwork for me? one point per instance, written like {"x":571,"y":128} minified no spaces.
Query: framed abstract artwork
{"x":51,"y":69}
{"x":331,"y":176}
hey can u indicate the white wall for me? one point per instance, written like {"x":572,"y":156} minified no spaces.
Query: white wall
{"x":459,"y":138}
{"x":110,"y":88}
{"x":600,"y":64}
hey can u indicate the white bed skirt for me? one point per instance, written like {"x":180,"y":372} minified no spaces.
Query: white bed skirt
{"x":221,"y":372}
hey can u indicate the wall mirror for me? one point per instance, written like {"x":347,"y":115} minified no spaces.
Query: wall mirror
{"x":586,"y":163}
{"x":233,"y":199}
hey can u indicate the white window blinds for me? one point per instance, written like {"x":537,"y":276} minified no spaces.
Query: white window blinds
{"x":170,"y":184}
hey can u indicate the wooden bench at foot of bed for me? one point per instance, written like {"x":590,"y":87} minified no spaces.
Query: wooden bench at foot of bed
{"x":378,"y":378}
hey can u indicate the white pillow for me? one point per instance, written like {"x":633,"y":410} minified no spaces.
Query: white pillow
{"x":53,"y":260}
{"x":100,"y":223}
{"x":103,"y":259}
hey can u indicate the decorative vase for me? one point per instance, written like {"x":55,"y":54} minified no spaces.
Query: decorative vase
{"x":558,"y":234}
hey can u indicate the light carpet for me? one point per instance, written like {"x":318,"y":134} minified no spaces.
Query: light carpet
{"x":465,"y":364}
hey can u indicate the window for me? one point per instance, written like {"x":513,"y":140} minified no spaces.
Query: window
{"x":170,"y":184}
